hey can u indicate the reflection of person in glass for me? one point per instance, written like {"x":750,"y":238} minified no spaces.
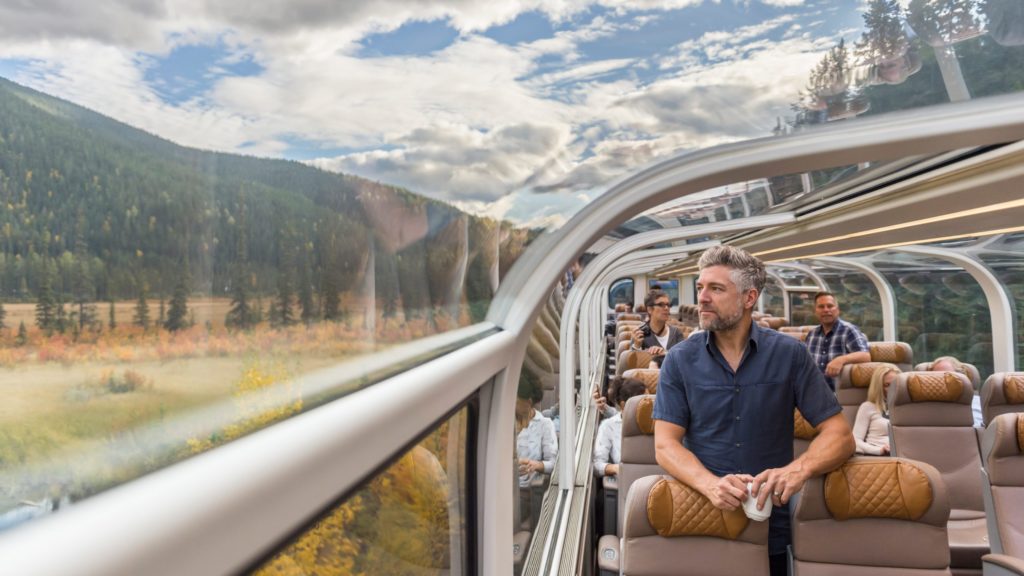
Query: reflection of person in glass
{"x":730,"y":392}
{"x":536,"y":441}
{"x":834,"y":343}
{"x":656,"y":336}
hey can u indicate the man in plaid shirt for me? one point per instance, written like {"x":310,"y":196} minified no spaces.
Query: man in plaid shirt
{"x":835,"y":342}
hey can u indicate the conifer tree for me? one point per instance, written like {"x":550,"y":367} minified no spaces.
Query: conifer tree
{"x":177,"y":316}
{"x":81,"y":281}
{"x":141,"y":316}
{"x":60,"y":320}
{"x":46,"y":305}
{"x":306,"y":295}
{"x":163,"y":311}
{"x":241,"y":315}
{"x":111,"y":322}
{"x":3,"y":316}
{"x":22,"y":338}
{"x":282,"y":308}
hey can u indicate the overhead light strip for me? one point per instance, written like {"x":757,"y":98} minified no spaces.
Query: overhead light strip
{"x":907,"y":243}
{"x":931,"y":220}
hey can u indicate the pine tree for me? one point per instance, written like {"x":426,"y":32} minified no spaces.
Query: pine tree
{"x":111,"y":322}
{"x":309,"y":313}
{"x":3,"y":316}
{"x":283,"y":315}
{"x":163,"y":311}
{"x":141,"y":316}
{"x":60,"y":320}
{"x":883,"y":36}
{"x":241,"y":315}
{"x":81,"y":281}
{"x":22,"y":338}
{"x":46,"y":305}
{"x":177,"y":316}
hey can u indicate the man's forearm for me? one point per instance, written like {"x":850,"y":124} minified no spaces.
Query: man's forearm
{"x":827,"y":452}
{"x":683,"y":465}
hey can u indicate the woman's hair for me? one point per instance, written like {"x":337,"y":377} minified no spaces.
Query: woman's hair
{"x":653,"y":296}
{"x":530,"y":387}
{"x":957,"y":365}
{"x":659,"y":360}
{"x":626,"y":389}
{"x":876,"y":389}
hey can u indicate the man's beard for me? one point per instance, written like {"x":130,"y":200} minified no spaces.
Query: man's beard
{"x":721,"y":324}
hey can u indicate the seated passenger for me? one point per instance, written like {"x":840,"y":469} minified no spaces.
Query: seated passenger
{"x":656,"y":362}
{"x":536,"y":441}
{"x":951,"y":364}
{"x":609,"y":326}
{"x":607,"y":447}
{"x":834,"y":343}
{"x":871,"y":428}
{"x":656,"y":336}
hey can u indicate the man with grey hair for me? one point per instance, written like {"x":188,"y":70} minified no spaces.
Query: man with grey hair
{"x":724,"y":409}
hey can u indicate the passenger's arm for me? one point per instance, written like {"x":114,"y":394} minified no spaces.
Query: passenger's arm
{"x":726,"y":493}
{"x":549,"y":447}
{"x":602,"y":448}
{"x":860,"y":430}
{"x":830,"y":448}
{"x":836,"y":365}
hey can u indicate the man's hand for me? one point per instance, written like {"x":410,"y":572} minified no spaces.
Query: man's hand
{"x":780,"y":483}
{"x":601,"y":401}
{"x":835,"y":367}
{"x":727,"y":492}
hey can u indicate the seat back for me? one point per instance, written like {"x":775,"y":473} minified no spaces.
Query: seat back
{"x":898,"y":353}
{"x":852,"y":387}
{"x":1003,"y":456}
{"x":637,"y":449}
{"x":931,"y":421}
{"x":803,"y":433}
{"x":649,"y":376}
{"x":1002,"y":393}
{"x":629,"y":316}
{"x":632,"y":359}
{"x":970,"y":370}
{"x":671,"y":529}
{"x":872,"y":516}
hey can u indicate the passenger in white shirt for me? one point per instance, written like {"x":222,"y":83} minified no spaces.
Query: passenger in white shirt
{"x":871,"y":428}
{"x":536,"y":441}
{"x":608,"y":446}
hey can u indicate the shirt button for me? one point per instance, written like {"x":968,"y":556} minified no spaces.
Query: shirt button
{"x":738,"y":444}
{"x":737,"y":388}
{"x":737,"y":417}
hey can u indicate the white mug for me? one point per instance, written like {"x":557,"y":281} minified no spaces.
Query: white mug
{"x":750,"y":505}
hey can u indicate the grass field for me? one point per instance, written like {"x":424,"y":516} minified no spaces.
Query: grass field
{"x":92,"y":398}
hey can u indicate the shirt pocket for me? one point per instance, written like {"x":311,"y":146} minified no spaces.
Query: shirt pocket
{"x":711,"y":407}
{"x":773,"y":407}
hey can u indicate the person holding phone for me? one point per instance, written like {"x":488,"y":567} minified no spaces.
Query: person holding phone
{"x":655,"y":336}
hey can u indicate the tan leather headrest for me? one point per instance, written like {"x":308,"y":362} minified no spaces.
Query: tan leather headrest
{"x":649,"y":376}
{"x":890,"y":352}
{"x":934,"y":387}
{"x":675,"y":509}
{"x":860,"y":374}
{"x":644,"y":410}
{"x":1013,"y":388}
{"x":1020,"y":431}
{"x":878,"y":489}
{"x":802,"y":428}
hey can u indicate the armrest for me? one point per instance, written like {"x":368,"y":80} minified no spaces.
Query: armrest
{"x":520,"y":544}
{"x":1002,"y":565}
{"x":610,"y":483}
{"x":608,"y":554}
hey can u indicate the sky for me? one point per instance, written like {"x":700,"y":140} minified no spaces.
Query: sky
{"x":517,"y":109}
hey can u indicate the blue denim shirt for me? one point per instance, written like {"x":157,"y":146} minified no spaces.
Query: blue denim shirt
{"x":742,"y":421}
{"x":843,"y":339}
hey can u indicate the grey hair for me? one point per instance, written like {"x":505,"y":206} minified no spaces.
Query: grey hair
{"x":747,"y":271}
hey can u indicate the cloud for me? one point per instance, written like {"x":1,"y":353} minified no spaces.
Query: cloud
{"x":459,"y":163}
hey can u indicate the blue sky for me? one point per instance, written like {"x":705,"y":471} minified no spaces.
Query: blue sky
{"x":517,"y":109}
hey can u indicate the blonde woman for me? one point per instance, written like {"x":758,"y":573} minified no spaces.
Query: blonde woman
{"x":871,"y":428}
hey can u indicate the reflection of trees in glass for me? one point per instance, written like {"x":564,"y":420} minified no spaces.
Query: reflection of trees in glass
{"x":1005,"y":20}
{"x":941,"y":24}
{"x":884,"y":46}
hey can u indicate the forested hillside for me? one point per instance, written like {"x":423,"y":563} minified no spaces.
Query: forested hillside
{"x":94,"y":211}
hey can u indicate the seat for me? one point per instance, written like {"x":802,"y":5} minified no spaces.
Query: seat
{"x":931,"y":420}
{"x":631,"y":359}
{"x":898,"y":353}
{"x":637,"y":449}
{"x":1003,"y":478}
{"x":852,"y":387}
{"x":649,"y":376}
{"x":629,"y":316}
{"x":803,"y":433}
{"x":671,"y":529}
{"x":969,"y":369}
{"x":872,"y":517}
{"x":1002,"y":393}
